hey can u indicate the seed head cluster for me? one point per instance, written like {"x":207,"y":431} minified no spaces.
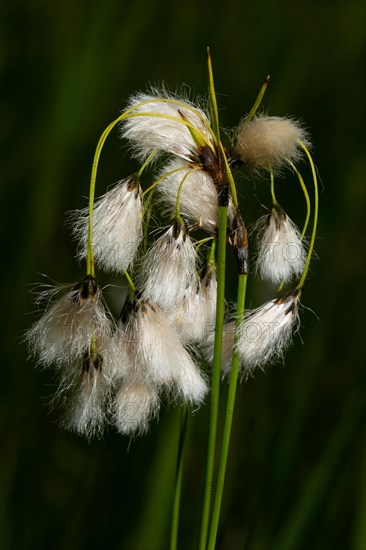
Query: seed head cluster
{"x":118,"y":371}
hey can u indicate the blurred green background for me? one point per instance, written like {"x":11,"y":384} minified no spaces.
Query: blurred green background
{"x":296,"y":477}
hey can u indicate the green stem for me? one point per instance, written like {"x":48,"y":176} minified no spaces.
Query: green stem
{"x":216,"y":375}
{"x":274,"y":200}
{"x":130,"y":281}
{"x":156,"y":182}
{"x":178,"y":103}
{"x":179,"y":192}
{"x":242,"y":285}
{"x":128,"y":114}
{"x":211,"y":256}
{"x":178,"y":479}
{"x":90,"y":255}
{"x":146,"y":163}
{"x":315,"y":221}
{"x":306,"y":195}
{"x":198,"y":244}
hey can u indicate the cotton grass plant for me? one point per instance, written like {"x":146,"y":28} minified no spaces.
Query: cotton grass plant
{"x":173,"y":338}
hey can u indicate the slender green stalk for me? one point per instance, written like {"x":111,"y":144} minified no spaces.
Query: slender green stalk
{"x":103,"y":137}
{"x":306,"y":195}
{"x":201,"y":242}
{"x":182,"y":104}
{"x":178,"y":479}
{"x":156,"y":182}
{"x":129,"y":114}
{"x":146,"y":163}
{"x":216,"y":375}
{"x":130,"y":281}
{"x":308,"y":205}
{"x":179,"y":192}
{"x":242,"y":285}
{"x":315,"y":221}
{"x":274,"y":200}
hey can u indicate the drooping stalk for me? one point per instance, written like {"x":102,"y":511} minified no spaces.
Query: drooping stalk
{"x":178,"y":479}
{"x":216,"y":375}
{"x":179,"y":192}
{"x":315,"y":220}
{"x":161,"y":178}
{"x":306,"y":195}
{"x":178,"y":103}
{"x":126,"y":114}
{"x":90,"y":254}
{"x":242,"y":284}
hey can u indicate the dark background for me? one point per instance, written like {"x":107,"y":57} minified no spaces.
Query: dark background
{"x":296,"y":476}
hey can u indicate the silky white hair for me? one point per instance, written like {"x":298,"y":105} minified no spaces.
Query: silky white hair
{"x":198,"y":197}
{"x":269,"y":142}
{"x":281,"y":249}
{"x":117,"y":227}
{"x":168,"y":268}
{"x":147,"y":132}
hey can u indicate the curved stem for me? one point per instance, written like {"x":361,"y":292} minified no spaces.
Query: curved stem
{"x":201,"y":242}
{"x":156,"y":182}
{"x":216,"y":375}
{"x":315,"y":221}
{"x":186,"y":122}
{"x":182,"y":104}
{"x":306,"y":195}
{"x":228,"y":419}
{"x":178,"y":479}
{"x":177,"y":204}
{"x":129,"y":114}
{"x":146,"y":163}
{"x":98,"y":150}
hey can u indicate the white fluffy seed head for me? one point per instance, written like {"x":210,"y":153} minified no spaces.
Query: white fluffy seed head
{"x":281,"y":251}
{"x":135,"y":405}
{"x":67,"y":327}
{"x":169,"y":267}
{"x":147,"y":132}
{"x":90,"y":393}
{"x":117,"y":226}
{"x":184,"y":315}
{"x":268,"y":142}
{"x":267,"y":331}
{"x":159,"y":356}
{"x":121,"y":358}
{"x":194,"y":317}
{"x":198,"y":197}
